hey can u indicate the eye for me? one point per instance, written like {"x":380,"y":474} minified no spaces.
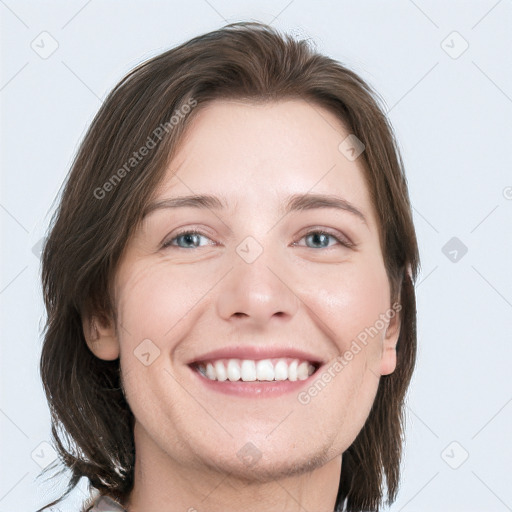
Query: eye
{"x":189,"y":239}
{"x":321,"y":238}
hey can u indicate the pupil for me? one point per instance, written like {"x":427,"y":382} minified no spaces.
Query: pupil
{"x":317,"y":236}
{"x":189,"y":239}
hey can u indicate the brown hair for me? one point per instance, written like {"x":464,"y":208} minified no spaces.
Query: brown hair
{"x":101,"y":205}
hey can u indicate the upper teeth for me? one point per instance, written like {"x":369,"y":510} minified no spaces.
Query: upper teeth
{"x":249,"y":370}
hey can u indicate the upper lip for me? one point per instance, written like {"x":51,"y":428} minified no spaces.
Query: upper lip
{"x":256,"y":352}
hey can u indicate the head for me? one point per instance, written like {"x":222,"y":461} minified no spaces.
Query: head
{"x":268,"y":131}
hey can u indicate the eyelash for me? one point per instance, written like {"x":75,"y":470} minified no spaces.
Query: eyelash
{"x":344,"y":243}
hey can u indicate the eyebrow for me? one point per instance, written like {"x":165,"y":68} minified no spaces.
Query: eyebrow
{"x":296,"y":202}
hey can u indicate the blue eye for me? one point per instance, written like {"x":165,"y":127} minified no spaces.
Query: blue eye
{"x":191,"y":240}
{"x":321,"y":238}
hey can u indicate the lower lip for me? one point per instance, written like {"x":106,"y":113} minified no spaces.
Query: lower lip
{"x":271,"y":388}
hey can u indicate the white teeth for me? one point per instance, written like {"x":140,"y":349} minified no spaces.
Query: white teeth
{"x":210,"y":371}
{"x":248,"y":370}
{"x":302,"y":371}
{"x":220,"y":371}
{"x":292,"y":370}
{"x":263,"y":370}
{"x":281,"y":370}
{"x":233,"y":370}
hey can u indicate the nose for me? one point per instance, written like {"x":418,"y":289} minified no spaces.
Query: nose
{"x":257,"y":293}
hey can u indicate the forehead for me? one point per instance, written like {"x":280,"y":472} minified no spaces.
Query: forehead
{"x":252,"y":154}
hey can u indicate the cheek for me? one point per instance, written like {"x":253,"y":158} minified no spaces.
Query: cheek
{"x":156,"y":305}
{"x":350,"y":301}
{"x":343,"y":392}
{"x":154,"y":298}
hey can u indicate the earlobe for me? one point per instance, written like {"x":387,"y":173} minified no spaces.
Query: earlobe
{"x":388,"y":358}
{"x":388,"y":361}
{"x":100,"y":336}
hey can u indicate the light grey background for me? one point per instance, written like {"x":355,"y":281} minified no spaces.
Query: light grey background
{"x":452,"y":112}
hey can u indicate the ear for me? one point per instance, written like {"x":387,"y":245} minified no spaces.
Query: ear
{"x":392,"y":333}
{"x":100,"y":335}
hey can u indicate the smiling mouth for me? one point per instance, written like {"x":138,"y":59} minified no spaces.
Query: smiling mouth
{"x":251,"y":370}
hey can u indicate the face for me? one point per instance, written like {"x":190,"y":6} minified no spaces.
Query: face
{"x":253,"y":278}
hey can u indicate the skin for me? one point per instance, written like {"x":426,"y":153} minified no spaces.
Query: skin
{"x":305,"y":292}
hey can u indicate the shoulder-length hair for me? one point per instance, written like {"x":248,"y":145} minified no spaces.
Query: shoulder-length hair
{"x":108,"y":189}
